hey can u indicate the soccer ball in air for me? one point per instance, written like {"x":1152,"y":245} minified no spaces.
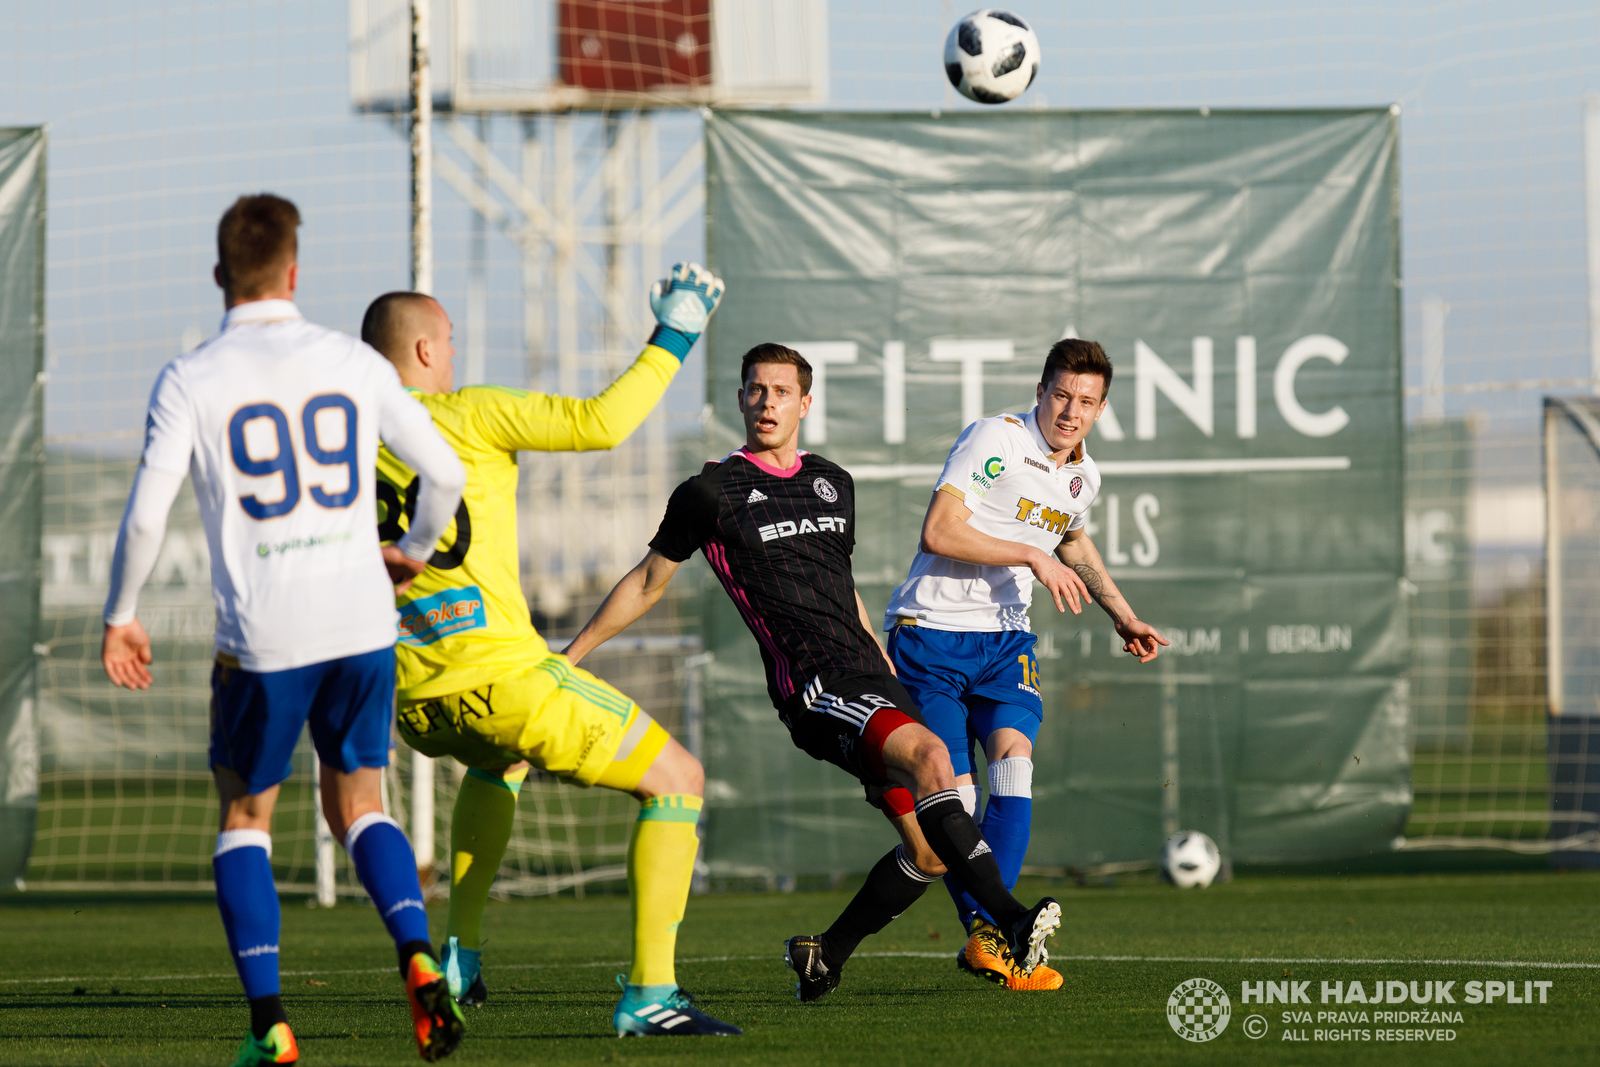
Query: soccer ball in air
{"x":991,"y":56}
{"x":1190,"y":860}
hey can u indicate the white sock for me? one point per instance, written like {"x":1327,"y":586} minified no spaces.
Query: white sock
{"x":1011,"y":777}
{"x":969,"y":798}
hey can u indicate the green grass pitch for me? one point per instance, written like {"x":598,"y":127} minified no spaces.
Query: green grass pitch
{"x":123,"y":980}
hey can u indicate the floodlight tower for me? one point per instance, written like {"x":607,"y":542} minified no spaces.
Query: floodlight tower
{"x":589,"y":223}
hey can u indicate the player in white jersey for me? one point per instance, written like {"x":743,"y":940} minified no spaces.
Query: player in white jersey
{"x":277,"y":422}
{"x":1010,"y":506}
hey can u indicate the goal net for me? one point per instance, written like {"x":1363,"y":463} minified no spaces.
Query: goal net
{"x":125,"y":793}
{"x":1572,"y":611}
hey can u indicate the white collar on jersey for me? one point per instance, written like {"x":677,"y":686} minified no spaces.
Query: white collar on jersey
{"x":1078,"y":455}
{"x":261,"y":311}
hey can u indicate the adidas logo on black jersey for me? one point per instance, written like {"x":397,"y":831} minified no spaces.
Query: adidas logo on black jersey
{"x":755,"y":495}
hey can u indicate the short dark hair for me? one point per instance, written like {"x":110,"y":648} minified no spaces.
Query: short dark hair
{"x":256,"y":240}
{"x":775,"y":353}
{"x":384,"y":325}
{"x":1073,"y":355}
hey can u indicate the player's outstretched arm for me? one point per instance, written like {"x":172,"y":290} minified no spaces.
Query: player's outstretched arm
{"x":945,"y":532}
{"x":1139,"y":638}
{"x":636,"y":594}
{"x":683,"y":303}
{"x":125,"y":647}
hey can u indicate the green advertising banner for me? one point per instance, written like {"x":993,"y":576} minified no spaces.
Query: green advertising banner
{"x":1241,"y":270}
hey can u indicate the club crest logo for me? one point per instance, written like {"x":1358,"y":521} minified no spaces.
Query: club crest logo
{"x":825,"y":490}
{"x":1075,"y":486}
{"x":1199,"y":1010}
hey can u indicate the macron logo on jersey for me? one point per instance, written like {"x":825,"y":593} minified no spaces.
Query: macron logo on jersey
{"x":755,"y":496}
{"x":776,"y":530}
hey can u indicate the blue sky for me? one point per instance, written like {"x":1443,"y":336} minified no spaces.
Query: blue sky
{"x":160,"y":113}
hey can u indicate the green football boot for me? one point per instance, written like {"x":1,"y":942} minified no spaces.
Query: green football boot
{"x":277,"y":1047}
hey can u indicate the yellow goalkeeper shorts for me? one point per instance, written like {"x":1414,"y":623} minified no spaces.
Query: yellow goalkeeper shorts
{"x":558,"y":717}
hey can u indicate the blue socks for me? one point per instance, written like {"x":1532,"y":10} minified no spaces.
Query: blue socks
{"x":388,"y":869}
{"x":248,"y":901}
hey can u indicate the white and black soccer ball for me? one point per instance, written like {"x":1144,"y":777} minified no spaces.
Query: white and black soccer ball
{"x":991,"y":56}
{"x":1190,"y":860}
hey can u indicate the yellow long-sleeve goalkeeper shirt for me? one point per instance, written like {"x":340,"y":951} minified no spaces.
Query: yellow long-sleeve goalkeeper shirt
{"x":464,"y":621}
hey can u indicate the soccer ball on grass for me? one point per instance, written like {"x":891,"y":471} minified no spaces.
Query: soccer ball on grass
{"x":991,"y":56}
{"x":1190,"y":860}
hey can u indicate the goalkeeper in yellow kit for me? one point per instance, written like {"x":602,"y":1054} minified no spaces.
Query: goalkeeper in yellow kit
{"x":477,"y":682}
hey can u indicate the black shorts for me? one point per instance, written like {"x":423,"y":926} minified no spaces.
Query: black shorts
{"x":844,"y":719}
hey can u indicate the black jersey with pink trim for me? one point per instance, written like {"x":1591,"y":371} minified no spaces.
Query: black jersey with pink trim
{"x":780,"y":543}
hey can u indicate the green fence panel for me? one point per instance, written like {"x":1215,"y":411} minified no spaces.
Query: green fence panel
{"x":22,"y":203}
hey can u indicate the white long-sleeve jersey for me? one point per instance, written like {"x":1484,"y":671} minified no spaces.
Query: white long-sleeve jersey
{"x":1001,"y":469}
{"x":277,"y":422}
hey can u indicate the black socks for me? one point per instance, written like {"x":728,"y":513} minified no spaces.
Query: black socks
{"x":265,"y":1013}
{"x":956,"y":839}
{"x":894,"y":885}
{"x":411,"y":948}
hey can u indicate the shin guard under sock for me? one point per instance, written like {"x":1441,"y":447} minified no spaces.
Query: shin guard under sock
{"x":1009,"y":814}
{"x":248,"y":901}
{"x":388,"y":870}
{"x":660,"y":868}
{"x":480,"y":826}
{"x":894,"y":884}
{"x":955,"y":838}
{"x":966,"y":908}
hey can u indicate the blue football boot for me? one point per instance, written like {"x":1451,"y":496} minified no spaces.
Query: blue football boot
{"x":461,"y":970}
{"x":663,"y":1011}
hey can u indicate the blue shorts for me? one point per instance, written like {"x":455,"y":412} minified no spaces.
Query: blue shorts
{"x":969,"y":685}
{"x":256,"y":718}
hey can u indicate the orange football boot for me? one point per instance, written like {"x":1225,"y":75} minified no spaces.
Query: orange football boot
{"x":985,"y":954}
{"x":1043,"y":977}
{"x":434,"y":1012}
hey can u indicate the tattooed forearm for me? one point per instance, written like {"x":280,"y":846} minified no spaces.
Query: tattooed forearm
{"x":1093,"y":582}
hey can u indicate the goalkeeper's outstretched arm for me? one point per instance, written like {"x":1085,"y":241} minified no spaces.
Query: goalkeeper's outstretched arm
{"x":538,"y":422}
{"x":636,"y":594}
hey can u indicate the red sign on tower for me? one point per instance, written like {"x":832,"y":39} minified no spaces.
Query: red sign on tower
{"x":634,"y":46}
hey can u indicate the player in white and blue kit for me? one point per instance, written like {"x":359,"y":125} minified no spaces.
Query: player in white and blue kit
{"x":277,"y":422}
{"x":1010,"y":507}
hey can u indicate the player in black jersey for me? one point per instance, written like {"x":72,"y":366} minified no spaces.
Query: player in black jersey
{"x":777,"y":526}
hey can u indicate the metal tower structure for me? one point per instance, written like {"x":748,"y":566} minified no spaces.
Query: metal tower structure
{"x":589,"y":202}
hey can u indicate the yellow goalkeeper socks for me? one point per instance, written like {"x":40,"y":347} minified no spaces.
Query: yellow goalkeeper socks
{"x":660,"y":866}
{"x":480,"y":826}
